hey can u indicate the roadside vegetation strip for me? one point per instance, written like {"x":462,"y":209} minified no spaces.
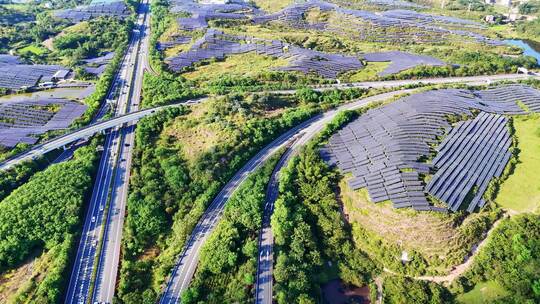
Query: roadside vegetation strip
{"x":227,"y":267}
{"x":56,"y":197}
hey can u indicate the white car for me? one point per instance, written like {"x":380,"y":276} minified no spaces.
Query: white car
{"x":93,"y":219}
{"x":101,"y":208}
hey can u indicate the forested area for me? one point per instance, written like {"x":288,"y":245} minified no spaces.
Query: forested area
{"x":312,"y":241}
{"x":18,"y":175}
{"x":399,"y":290}
{"x":512,"y":259}
{"x":227,"y":268}
{"x":52,"y":200}
{"x":91,"y":39}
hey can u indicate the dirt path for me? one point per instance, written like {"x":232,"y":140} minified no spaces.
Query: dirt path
{"x":461,"y":268}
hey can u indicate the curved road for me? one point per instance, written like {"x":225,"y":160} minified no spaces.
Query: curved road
{"x":186,"y":265}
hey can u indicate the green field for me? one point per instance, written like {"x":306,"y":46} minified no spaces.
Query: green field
{"x":33,"y":49}
{"x":485,"y":292}
{"x":521,"y":191}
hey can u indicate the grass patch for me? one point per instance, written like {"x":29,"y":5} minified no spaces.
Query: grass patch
{"x":34,"y":49}
{"x":434,"y":241}
{"x":485,"y":292}
{"x":369,"y":72}
{"x":521,"y":191}
{"x":249,"y":64}
{"x":273,"y":5}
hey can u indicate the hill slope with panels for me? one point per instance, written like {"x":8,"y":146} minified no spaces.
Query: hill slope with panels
{"x":21,"y":120}
{"x":200,"y":13}
{"x":14,"y":75}
{"x":391,"y":25}
{"x":385,"y":148}
{"x":117,"y":9}
{"x":216,"y":44}
{"x":401,"y":61}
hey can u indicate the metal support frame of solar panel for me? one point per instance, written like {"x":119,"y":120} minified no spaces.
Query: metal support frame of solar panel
{"x":391,"y":138}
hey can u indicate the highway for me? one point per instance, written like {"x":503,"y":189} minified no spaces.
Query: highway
{"x":265,"y":259}
{"x":109,"y":257}
{"x":185,"y":267}
{"x":102,"y":215}
{"x":470,"y":80}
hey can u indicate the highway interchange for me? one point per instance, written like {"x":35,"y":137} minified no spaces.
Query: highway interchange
{"x":94,"y":273}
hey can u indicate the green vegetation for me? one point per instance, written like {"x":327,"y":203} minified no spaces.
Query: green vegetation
{"x":510,"y":260}
{"x":521,"y":191}
{"x":400,"y":290}
{"x":91,"y":39}
{"x":483,"y":293}
{"x":51,"y":200}
{"x":313,"y":243}
{"x":227,"y":269}
{"x":195,"y":154}
{"x":18,"y":175}
{"x":165,"y":88}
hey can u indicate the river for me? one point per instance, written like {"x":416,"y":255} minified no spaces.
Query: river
{"x":530,"y":48}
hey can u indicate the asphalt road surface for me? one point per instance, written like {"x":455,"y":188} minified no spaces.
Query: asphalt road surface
{"x":187,"y":262}
{"x":107,"y":268}
{"x":265,"y":260}
{"x":99,"y":216}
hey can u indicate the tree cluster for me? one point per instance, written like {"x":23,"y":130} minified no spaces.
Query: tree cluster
{"x":227,"y":267}
{"x":311,"y":236}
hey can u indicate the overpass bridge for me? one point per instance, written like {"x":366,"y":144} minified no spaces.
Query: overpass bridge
{"x":84,"y":133}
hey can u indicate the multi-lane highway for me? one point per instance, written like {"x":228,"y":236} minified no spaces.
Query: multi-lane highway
{"x":109,"y":257}
{"x":103,"y":218}
{"x":187,"y":262}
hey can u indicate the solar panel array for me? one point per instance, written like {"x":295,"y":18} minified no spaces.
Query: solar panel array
{"x":97,"y":65}
{"x":20,"y":121}
{"x":408,"y":24}
{"x":116,"y":9}
{"x":396,"y":3}
{"x":401,"y":61}
{"x":10,"y":59}
{"x":386,"y":148}
{"x":202,"y":13}
{"x":472,"y":154}
{"x":14,"y":75}
{"x":216,"y":44}
{"x":178,"y":40}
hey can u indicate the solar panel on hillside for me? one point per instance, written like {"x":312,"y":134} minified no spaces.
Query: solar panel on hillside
{"x":384,"y":148}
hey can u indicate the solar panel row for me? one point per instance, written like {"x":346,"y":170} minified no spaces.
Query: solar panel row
{"x":20,"y":121}
{"x":386,"y":149}
{"x":374,"y":25}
